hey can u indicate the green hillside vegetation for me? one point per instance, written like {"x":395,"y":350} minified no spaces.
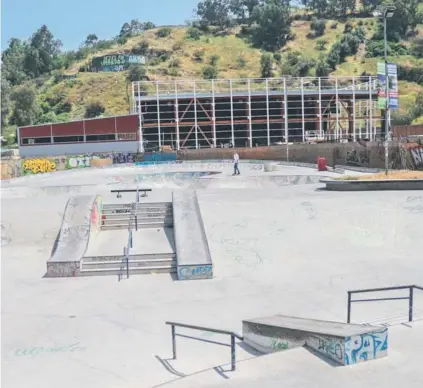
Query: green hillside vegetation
{"x":228,"y":39}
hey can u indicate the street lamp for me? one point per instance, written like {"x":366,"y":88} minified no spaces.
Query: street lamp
{"x":386,"y":13}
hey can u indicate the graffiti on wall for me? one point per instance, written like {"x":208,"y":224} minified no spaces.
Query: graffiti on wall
{"x":195,"y":272}
{"x":417,"y":156}
{"x":358,"y":159}
{"x":366,"y":347}
{"x":36,"y":166}
{"x":329,"y":347}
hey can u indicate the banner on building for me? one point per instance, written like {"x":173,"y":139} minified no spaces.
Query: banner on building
{"x":392,"y":85}
{"x":116,"y":62}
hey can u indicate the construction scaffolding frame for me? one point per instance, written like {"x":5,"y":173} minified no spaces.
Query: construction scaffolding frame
{"x":255,"y":112}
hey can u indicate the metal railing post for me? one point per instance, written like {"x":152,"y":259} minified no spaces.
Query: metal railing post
{"x":349,"y":308}
{"x":233,"y":352}
{"x":136,"y":222}
{"x":138,"y":196}
{"x":173,"y":342}
{"x":410,"y":305}
{"x":127,"y":267}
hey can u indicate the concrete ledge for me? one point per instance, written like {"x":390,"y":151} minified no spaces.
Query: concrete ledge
{"x":192,"y":250}
{"x":364,"y":185}
{"x":346,"y":344}
{"x":81,"y":222}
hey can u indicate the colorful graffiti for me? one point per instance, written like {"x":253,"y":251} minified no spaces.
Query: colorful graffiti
{"x":96,"y":213}
{"x":366,"y":347}
{"x":36,"y":166}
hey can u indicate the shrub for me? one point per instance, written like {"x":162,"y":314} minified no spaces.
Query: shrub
{"x":175,"y":62}
{"x":318,"y":26}
{"x":141,"y":48}
{"x":277,"y":57}
{"x":266,"y":65}
{"x":348,"y":27}
{"x":121,"y":40}
{"x":163,"y":32}
{"x":241,"y":61}
{"x":210,"y":72}
{"x":334,"y":25}
{"x":214,"y":59}
{"x":173,"y":72}
{"x":199,"y":55}
{"x":177,"y":46}
{"x":360,"y":23}
{"x":136,"y":73}
{"x":193,"y":33}
{"x":320,"y":44}
{"x":94,"y":109}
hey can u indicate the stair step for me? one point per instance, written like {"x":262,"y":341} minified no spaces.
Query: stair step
{"x":133,"y":264}
{"x":124,"y":212}
{"x":140,"y":220}
{"x":122,"y":271}
{"x":141,"y":256}
{"x":140,"y":205}
{"x":158,"y":225}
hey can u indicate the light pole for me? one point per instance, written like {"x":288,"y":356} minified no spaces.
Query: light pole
{"x":386,"y":13}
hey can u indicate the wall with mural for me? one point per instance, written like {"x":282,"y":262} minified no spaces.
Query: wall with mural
{"x":116,"y":62}
{"x":361,"y":154}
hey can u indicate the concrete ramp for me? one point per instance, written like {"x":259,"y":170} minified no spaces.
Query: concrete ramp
{"x":192,"y":250}
{"x":343,"y":343}
{"x":81,"y":223}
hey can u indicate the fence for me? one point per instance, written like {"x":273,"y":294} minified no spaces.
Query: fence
{"x":410,"y":298}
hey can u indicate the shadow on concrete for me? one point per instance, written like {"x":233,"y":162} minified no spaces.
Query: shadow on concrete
{"x":170,"y":235}
{"x":168,"y":367}
{"x":327,"y":360}
{"x":250,"y":350}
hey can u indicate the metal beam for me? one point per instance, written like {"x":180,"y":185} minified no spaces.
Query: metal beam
{"x":232,"y":113}
{"x":249,"y":115}
{"x":213,"y":115}
{"x":177,"y":115}
{"x":285,"y":102}
{"x":159,"y":134}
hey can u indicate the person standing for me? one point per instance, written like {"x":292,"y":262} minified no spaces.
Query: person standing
{"x":236,"y":162}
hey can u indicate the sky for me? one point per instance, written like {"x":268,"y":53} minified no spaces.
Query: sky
{"x":71,"y":21}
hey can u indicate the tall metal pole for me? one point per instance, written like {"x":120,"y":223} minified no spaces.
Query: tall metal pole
{"x":386,"y":96}
{"x":159,"y":134}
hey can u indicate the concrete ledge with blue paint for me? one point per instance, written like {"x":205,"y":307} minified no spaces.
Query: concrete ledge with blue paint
{"x":343,"y":343}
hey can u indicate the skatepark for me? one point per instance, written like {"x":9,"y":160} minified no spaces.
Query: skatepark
{"x":278,"y":245}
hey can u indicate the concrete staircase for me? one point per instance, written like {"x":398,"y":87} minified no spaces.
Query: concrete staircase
{"x":138,"y":264}
{"x":149,"y":215}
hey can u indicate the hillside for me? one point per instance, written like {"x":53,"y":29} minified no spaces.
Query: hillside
{"x":178,"y":56}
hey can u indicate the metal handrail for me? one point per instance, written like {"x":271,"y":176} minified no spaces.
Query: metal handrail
{"x":410,"y":298}
{"x":209,"y":329}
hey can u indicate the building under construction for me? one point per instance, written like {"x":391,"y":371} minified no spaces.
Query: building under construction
{"x":255,"y":112}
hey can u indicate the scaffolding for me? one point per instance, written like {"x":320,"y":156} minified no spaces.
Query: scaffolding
{"x":255,"y":112}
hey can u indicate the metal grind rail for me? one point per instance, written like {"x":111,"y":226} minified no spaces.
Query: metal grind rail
{"x":132,"y":218}
{"x":209,"y":329}
{"x":410,"y":298}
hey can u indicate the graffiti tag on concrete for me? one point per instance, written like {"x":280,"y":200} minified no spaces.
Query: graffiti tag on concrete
{"x":37,"y":350}
{"x":366,"y":347}
{"x":417,"y":154}
{"x":195,"y":272}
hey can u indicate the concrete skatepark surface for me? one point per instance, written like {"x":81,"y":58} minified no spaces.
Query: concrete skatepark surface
{"x":291,"y":250}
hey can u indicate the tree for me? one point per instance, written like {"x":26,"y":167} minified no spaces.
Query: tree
{"x":296,"y":65}
{"x":91,"y":40}
{"x":320,"y":7}
{"x":341,"y":7}
{"x":136,"y":73}
{"x":322,"y":68}
{"x":125,"y":31}
{"x":94,"y":109}
{"x":407,"y":15}
{"x":417,"y":48}
{"x":243,"y":10}
{"x":266,"y":65}
{"x":210,"y":72}
{"x":42,"y":51}
{"x":318,"y":26}
{"x":13,"y":62}
{"x":5,"y":101}
{"x":141,"y":48}
{"x":272,"y":24}
{"x":214,"y":13}
{"x":26,"y":109}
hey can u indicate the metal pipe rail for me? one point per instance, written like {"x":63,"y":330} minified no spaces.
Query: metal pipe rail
{"x":202,"y":328}
{"x":410,"y":298}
